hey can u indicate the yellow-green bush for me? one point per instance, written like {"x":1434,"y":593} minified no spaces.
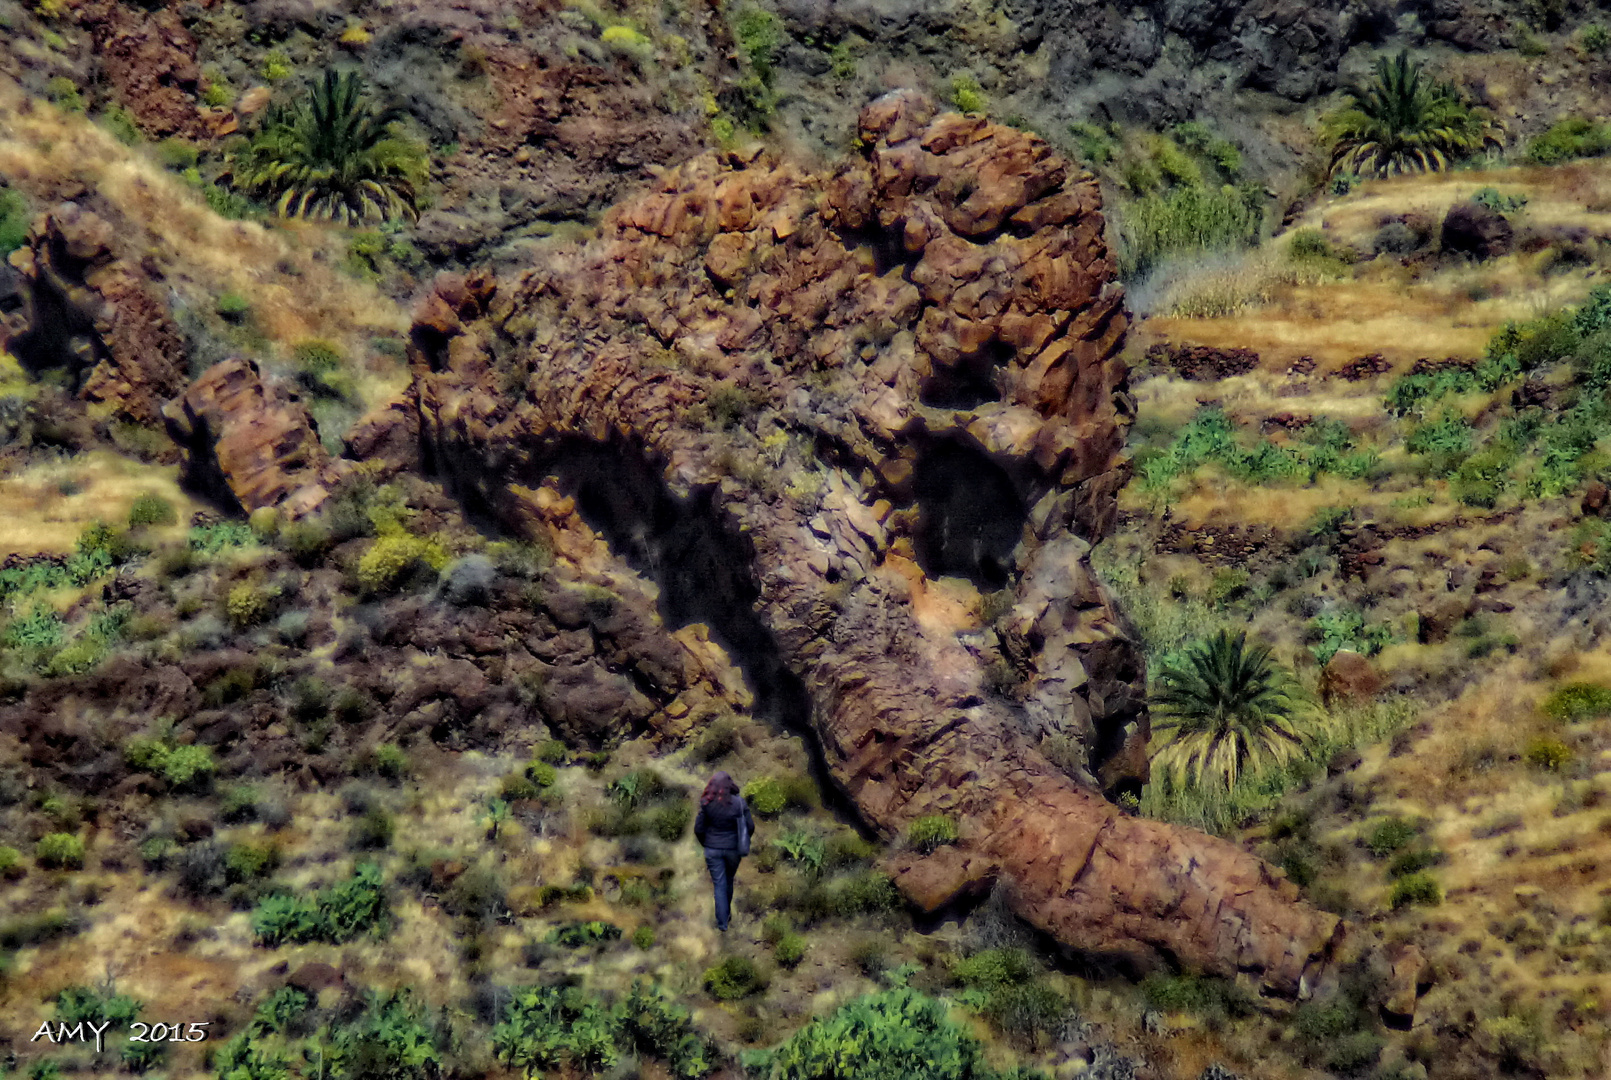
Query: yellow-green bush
{"x":1548,"y":754}
{"x":966,"y":94}
{"x":246,"y":605}
{"x":384,"y":564}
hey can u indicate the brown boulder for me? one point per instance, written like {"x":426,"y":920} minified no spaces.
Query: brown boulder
{"x":1349,"y":678}
{"x":1409,"y":975}
{"x":252,"y":441}
{"x":949,"y":876}
{"x":1203,"y":363}
{"x":1596,"y":497}
{"x":313,"y":977}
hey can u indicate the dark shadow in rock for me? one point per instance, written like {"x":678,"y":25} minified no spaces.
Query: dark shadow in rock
{"x":968,"y":384}
{"x":703,"y":569}
{"x":970,"y":516}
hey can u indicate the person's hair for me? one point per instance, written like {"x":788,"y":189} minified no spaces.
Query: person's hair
{"x":721,"y":787}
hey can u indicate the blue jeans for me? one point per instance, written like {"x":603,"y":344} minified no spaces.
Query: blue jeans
{"x":723,"y":866}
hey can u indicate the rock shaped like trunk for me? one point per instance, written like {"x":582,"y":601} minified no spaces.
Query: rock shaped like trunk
{"x":891,"y":398}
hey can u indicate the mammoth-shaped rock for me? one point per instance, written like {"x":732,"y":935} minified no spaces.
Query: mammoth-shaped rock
{"x":867,"y":425}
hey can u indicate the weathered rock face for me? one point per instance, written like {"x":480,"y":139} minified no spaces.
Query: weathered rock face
{"x":149,"y":58}
{"x":75,"y":308}
{"x":854,"y":390}
{"x":253,"y":440}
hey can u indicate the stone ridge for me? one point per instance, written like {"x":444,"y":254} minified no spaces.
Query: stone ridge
{"x":798,"y":352}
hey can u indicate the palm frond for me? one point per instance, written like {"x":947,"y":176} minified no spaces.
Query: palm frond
{"x":1403,"y":120}
{"x":333,"y":157}
{"x":1226,"y":708}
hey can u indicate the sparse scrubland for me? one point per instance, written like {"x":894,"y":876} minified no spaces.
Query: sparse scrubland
{"x":391,"y":791}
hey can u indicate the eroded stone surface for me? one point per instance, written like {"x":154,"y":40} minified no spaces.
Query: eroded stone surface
{"x":85,"y":312}
{"x":873,"y":384}
{"x":254,"y":436}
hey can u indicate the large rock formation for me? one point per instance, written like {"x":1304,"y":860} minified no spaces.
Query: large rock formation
{"x":865,"y":426}
{"x":72,"y":307}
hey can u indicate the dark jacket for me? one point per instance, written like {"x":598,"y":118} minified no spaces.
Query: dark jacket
{"x":716,"y":825}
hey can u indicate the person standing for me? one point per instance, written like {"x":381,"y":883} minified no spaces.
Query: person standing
{"x":724,"y":827}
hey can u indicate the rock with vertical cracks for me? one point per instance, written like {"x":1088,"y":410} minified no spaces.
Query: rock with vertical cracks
{"x":886,"y":413}
{"x":251,"y":440}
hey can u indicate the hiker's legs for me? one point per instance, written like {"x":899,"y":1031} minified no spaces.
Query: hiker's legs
{"x":723,"y":866}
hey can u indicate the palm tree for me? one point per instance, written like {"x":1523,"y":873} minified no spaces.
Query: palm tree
{"x":1227,"y":708}
{"x":333,"y":157}
{"x":1404,"y":120}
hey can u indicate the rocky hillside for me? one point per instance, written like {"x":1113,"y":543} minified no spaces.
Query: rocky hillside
{"x":378,"y":597}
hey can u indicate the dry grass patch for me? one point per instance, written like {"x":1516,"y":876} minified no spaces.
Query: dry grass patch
{"x":286,"y":270}
{"x":45,"y":507}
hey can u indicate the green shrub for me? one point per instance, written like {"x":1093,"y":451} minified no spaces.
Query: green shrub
{"x":966,"y":94}
{"x":897,"y":1033}
{"x":670,"y":823}
{"x":1551,"y":754}
{"x":643,"y":937}
{"x":60,"y":851}
{"x":929,"y":834}
{"x":554,"y":1027}
{"x":1578,"y":701}
{"x":13,"y":220}
{"x":1389,"y":836}
{"x":246,"y":605}
{"x":233,"y":306}
{"x":1184,"y":220}
{"x":211,"y":539}
{"x":734,"y":978}
{"x":1419,"y":888}
{"x":765,"y":796}
{"x":790,"y":949}
{"x":10,"y":861}
{"x":1095,"y":145}
{"x":542,"y":774}
{"x":1413,"y":861}
{"x":552,"y":752}
{"x":384,"y":564}
{"x":845,"y":848}
{"x":577,"y":935}
{"x":863,"y":893}
{"x":64,"y":93}
{"x":151,"y":510}
{"x":1029,"y":1013}
{"x":337,"y":914}
{"x":80,"y":1004}
{"x":249,"y":862}
{"x":991,"y":969}
{"x":373,"y":831}
{"x":1594,"y":37}
{"x":727,"y":405}
{"x":305,"y":541}
{"x":1574,"y":137}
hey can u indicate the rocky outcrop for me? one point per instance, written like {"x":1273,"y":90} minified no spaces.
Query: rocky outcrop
{"x":77,"y":309}
{"x":251,"y":441}
{"x":149,"y":59}
{"x":864,"y":425}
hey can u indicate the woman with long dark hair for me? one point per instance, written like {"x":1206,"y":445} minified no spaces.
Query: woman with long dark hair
{"x":724,"y":826}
